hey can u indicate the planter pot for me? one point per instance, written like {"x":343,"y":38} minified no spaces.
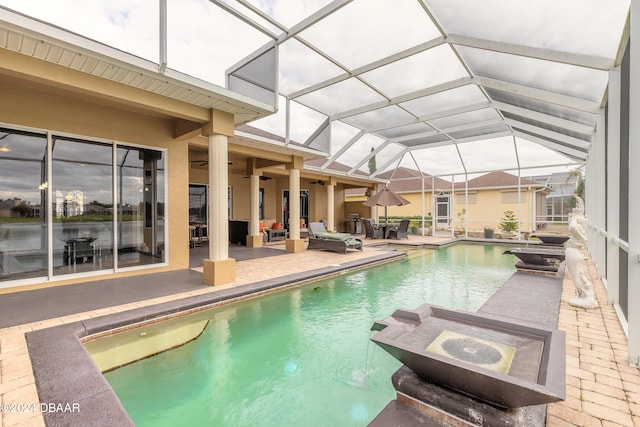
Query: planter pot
{"x":488,"y":233}
{"x":414,"y":230}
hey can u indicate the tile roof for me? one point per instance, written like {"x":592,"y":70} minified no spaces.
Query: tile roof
{"x":499,"y":179}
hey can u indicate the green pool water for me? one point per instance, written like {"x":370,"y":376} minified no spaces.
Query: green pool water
{"x":303,"y":357}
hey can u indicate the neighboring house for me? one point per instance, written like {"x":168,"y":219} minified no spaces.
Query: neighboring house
{"x":478,"y":205}
{"x":6,"y":208}
{"x":559,"y":200}
{"x":488,"y":197}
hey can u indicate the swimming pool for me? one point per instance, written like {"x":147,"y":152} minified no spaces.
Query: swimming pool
{"x":303,"y":356}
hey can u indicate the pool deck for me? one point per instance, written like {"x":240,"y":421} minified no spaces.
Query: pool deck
{"x":602,"y":389}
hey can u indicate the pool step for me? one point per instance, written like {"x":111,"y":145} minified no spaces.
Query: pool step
{"x":399,"y":414}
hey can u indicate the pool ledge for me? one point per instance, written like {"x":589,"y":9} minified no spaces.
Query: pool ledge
{"x":66,"y":374}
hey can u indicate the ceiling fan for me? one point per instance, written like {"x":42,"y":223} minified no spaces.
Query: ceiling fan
{"x":317,"y":182}
{"x":205,"y":162}
{"x":262,"y":178}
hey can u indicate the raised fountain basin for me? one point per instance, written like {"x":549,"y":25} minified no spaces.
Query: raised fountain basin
{"x":507,"y":364}
{"x":551,"y":239}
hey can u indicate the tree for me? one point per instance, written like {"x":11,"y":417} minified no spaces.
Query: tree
{"x":508,"y":222}
{"x":372,"y":163}
{"x":22,"y":209}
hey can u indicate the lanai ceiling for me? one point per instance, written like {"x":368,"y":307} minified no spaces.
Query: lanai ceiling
{"x":443,"y":86}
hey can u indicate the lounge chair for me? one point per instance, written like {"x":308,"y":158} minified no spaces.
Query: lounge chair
{"x":320,"y":238}
{"x":371,"y":230}
{"x":401,"y":232}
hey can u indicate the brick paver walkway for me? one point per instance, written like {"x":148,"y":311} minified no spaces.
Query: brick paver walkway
{"x":603,"y":390}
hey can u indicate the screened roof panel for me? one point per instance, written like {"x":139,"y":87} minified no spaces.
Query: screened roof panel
{"x":359,"y":149}
{"x":289,"y":13}
{"x":445,"y":100}
{"x":400,"y":131}
{"x":376,"y":23}
{"x":535,"y":155}
{"x":543,"y":107}
{"x":426,"y":140}
{"x":503,"y":150}
{"x":560,"y":146}
{"x":547,"y":126}
{"x":401,"y":71}
{"x":488,"y":131}
{"x":380,"y":118}
{"x":579,"y":26}
{"x":436,"y":161}
{"x":341,"y":134}
{"x":555,"y":77}
{"x":429,"y":68}
{"x":108,"y":23}
{"x":301,"y":67}
{"x":476,"y":116}
{"x":331,"y":100}
{"x":383,"y":157}
{"x":189,"y":47}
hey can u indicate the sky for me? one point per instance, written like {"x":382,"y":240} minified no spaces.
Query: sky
{"x":204,"y":41}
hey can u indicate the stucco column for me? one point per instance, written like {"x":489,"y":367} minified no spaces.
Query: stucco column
{"x":294,"y":243}
{"x":218,"y":268}
{"x":331,"y":186}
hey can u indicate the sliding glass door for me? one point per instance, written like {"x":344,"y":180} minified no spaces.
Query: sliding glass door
{"x":57,"y":200}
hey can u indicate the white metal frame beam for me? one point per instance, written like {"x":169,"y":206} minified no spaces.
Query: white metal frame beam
{"x":588,"y":61}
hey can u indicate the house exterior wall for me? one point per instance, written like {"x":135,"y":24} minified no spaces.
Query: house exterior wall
{"x":490,"y":207}
{"x":487,"y":211}
{"x":44,"y":108}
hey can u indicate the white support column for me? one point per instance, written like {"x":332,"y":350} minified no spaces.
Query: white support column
{"x":255,"y":238}
{"x":218,"y":183}
{"x":374,"y":209}
{"x":331,"y":224}
{"x":218,"y":268}
{"x":612,"y":280}
{"x":254,"y":205}
{"x":293,"y":242}
{"x":634,"y":187}
{"x":294,"y":204}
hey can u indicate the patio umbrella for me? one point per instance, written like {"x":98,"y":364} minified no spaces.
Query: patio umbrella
{"x":386,"y":197}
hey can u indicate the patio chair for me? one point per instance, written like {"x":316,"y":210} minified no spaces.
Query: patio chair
{"x":401,"y":232}
{"x":371,"y":230}
{"x":320,"y":238}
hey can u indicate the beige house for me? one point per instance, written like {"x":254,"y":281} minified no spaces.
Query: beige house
{"x":480,"y":203}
